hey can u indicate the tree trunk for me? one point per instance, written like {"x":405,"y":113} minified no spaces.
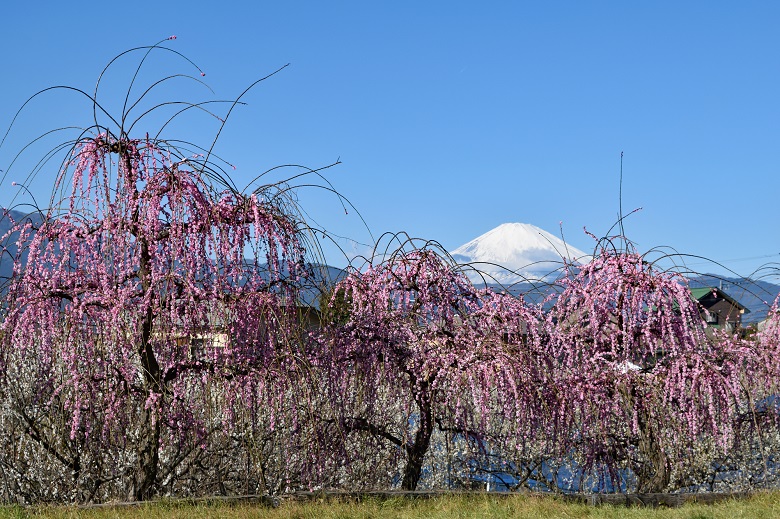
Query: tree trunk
{"x":655,"y":473}
{"x":422,"y":440}
{"x":145,"y":479}
{"x":148,"y":450}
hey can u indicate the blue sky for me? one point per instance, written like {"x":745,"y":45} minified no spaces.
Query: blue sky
{"x":451,"y":118}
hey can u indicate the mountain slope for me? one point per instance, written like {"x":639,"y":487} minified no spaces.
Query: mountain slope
{"x":517,"y":252}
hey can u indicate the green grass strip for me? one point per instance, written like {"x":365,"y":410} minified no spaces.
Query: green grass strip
{"x":761,"y":505}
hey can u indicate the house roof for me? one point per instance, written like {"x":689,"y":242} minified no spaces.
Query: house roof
{"x":700,"y":293}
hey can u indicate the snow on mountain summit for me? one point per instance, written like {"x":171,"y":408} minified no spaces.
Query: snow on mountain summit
{"x":515,"y":252}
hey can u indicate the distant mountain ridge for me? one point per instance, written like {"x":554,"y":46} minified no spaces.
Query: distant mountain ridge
{"x":533,"y":259}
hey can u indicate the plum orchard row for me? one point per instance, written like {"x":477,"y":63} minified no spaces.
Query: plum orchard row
{"x":152,"y":343}
{"x":413,"y":377}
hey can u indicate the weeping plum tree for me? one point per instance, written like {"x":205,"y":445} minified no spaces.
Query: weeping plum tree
{"x":114,"y":289}
{"x":769,"y":339}
{"x":417,"y":348}
{"x":151,"y":305}
{"x":767,"y":345}
{"x":648,"y":389}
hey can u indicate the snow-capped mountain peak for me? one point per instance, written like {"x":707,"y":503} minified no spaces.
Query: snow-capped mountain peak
{"x":514,"y":252}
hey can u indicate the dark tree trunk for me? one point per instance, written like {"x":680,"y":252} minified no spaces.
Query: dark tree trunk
{"x":147,"y":468}
{"x":655,"y":473}
{"x":148,"y":450}
{"x":422,"y":440}
{"x":145,"y":481}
